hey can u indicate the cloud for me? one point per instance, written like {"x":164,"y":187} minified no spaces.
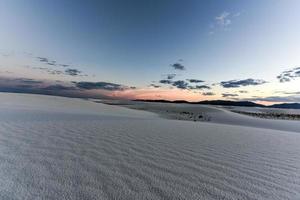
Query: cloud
{"x":47,"y":61}
{"x":101,"y":85}
{"x":223,"y":19}
{"x":195,"y":80}
{"x":51,"y":62}
{"x":57,"y":87}
{"x":69,"y":71}
{"x":32,"y":86}
{"x":203,"y":87}
{"x":171,"y":76}
{"x":49,"y":70}
{"x":155,"y":86}
{"x":43,"y":59}
{"x":239,"y":83}
{"x":288,"y":99}
{"x":73,"y":72}
{"x":243,"y":91}
{"x":180,"y":84}
{"x":199,"y":87}
{"x":289,"y":93}
{"x":28,"y":81}
{"x":208,"y":93}
{"x":164,"y":81}
{"x":66,"y":89}
{"x":178,"y":66}
{"x":229,"y":95}
{"x":289,"y":75}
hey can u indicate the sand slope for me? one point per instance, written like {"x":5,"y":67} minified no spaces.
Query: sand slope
{"x":55,"y":151}
{"x":215,"y":114}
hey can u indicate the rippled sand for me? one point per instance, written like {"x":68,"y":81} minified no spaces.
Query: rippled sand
{"x":60,"y":148}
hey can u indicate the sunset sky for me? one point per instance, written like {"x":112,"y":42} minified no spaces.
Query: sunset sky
{"x":152,"y":49}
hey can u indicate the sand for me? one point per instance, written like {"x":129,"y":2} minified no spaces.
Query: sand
{"x":214,"y":114}
{"x":61,"y":148}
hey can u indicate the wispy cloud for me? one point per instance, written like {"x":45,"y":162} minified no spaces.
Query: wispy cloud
{"x":289,"y":75}
{"x":101,"y":86}
{"x":289,"y":93}
{"x":244,"y":82}
{"x":73,"y":72}
{"x":225,"y":95}
{"x":288,"y":99}
{"x":51,"y":62}
{"x":195,"y":80}
{"x":223,"y":21}
{"x":199,"y":87}
{"x":243,"y":91}
{"x":171,"y":76}
{"x":48,"y":70}
{"x":154,"y":85}
{"x":208,"y":93}
{"x":165,"y":81}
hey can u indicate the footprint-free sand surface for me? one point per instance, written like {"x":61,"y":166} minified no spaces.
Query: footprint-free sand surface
{"x":62,"y":148}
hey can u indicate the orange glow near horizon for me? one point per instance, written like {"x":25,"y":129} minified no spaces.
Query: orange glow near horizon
{"x":166,"y":94}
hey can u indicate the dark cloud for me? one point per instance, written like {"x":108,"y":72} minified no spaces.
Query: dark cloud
{"x":229,"y":95}
{"x":164,"y":81}
{"x":31,"y":86}
{"x":208,"y":93}
{"x":51,"y":62}
{"x":101,"y":85}
{"x":178,"y":66}
{"x":73,"y":72}
{"x":171,"y":76}
{"x":289,"y":75}
{"x":243,"y":91}
{"x":59,"y":87}
{"x":239,"y":83}
{"x":49,"y":70}
{"x":25,"y":85}
{"x":180,"y":84}
{"x":43,"y":59}
{"x":28,"y":81}
{"x":154,"y":85}
{"x":69,"y":72}
{"x":199,"y":87}
{"x":195,"y":81}
{"x":47,"y":61}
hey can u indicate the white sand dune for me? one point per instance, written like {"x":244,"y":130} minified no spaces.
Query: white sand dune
{"x":217,"y":114}
{"x":60,"y":148}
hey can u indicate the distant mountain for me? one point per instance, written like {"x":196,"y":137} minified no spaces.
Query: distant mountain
{"x":230,"y":103}
{"x":286,"y":105}
{"x":213,"y":102}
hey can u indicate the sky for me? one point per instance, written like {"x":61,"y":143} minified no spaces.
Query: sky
{"x":155,"y":49}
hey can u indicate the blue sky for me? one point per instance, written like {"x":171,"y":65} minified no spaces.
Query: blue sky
{"x":135,"y":43}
